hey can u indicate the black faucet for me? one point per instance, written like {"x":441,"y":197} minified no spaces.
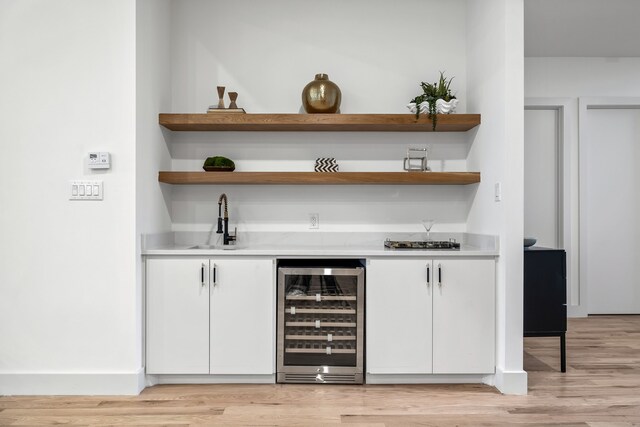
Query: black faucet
{"x":224,"y":230}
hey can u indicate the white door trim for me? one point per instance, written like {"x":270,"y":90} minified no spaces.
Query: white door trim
{"x":584,"y":104}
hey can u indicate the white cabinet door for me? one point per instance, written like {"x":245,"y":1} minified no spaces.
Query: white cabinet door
{"x":464,"y":316}
{"x":177,"y":329}
{"x":398,"y":316}
{"x":242,"y":316}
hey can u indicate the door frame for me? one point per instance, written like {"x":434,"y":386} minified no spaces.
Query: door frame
{"x":584,"y":104}
{"x":559,"y":111}
{"x":568,"y":194}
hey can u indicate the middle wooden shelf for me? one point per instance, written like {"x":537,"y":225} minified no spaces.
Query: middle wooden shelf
{"x":319,"y":178}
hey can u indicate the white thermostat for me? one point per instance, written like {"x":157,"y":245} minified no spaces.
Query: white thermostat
{"x":99,"y":160}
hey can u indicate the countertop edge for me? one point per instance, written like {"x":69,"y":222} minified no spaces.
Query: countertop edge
{"x":298,"y":252}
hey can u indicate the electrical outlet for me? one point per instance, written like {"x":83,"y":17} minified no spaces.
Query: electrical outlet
{"x":314,"y":220}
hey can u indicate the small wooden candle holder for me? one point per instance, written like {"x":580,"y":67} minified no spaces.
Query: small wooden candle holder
{"x":232,"y":97}
{"x":220,"y":96}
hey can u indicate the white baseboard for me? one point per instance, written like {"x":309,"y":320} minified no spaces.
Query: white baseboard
{"x":510,"y":382}
{"x":507,"y":382}
{"x":425,"y":379}
{"x":152,"y":380}
{"x":16,"y":384}
{"x":577,"y":311}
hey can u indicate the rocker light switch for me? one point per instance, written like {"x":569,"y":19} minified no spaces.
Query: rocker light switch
{"x":86,"y":190}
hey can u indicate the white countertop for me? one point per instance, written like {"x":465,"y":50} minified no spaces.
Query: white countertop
{"x":300,"y":244}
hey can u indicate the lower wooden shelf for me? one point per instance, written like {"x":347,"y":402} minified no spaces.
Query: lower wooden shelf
{"x":319,"y":178}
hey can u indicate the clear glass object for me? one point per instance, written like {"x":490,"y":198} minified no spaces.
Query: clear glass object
{"x":428,"y":224}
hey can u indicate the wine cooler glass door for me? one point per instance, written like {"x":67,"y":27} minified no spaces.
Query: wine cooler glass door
{"x":320,"y":317}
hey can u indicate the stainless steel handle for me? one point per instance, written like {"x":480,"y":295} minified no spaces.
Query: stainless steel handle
{"x":428,"y":275}
{"x":439,"y":274}
{"x":215,"y":276}
{"x":202,"y":275}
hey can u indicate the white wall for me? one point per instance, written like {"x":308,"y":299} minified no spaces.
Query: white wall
{"x":68,"y":306}
{"x":267,"y":52}
{"x":572,"y":78}
{"x":495,"y":70}
{"x":153,"y":95}
{"x":376,"y":51}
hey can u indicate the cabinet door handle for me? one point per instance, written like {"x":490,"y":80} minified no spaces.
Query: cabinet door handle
{"x":215,"y":279}
{"x":428,"y":275}
{"x":439,"y":274}
{"x":202,"y":275}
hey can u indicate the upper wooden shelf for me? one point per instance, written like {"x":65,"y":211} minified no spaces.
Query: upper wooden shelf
{"x":318,"y":122}
{"x":320,"y":178}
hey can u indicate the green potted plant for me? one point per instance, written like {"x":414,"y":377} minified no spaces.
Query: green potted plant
{"x":435,"y":99}
{"x":219,"y":164}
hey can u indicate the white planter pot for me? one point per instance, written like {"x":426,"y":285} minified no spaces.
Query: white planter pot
{"x":444,"y":107}
{"x":424,"y":107}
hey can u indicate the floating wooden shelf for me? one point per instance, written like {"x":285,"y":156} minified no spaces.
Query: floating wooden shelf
{"x":318,"y":122}
{"x":320,"y":178}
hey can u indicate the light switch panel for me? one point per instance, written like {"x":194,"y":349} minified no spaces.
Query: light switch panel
{"x":86,"y":190}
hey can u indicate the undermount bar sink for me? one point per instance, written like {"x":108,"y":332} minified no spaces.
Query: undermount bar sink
{"x":222,"y":247}
{"x":202,"y":247}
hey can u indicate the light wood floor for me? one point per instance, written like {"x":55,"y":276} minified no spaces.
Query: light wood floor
{"x":600,"y":388}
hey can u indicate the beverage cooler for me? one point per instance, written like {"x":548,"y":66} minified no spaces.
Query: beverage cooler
{"x":320,"y":321}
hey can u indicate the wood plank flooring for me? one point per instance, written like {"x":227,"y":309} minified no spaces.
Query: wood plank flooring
{"x":600,"y":388}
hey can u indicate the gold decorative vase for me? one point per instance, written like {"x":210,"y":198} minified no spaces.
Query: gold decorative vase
{"x":321,"y":96}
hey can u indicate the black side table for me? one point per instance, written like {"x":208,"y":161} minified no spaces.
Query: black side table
{"x":545,"y":296}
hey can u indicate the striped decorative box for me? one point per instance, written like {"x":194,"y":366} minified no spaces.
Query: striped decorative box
{"x":326,"y":164}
